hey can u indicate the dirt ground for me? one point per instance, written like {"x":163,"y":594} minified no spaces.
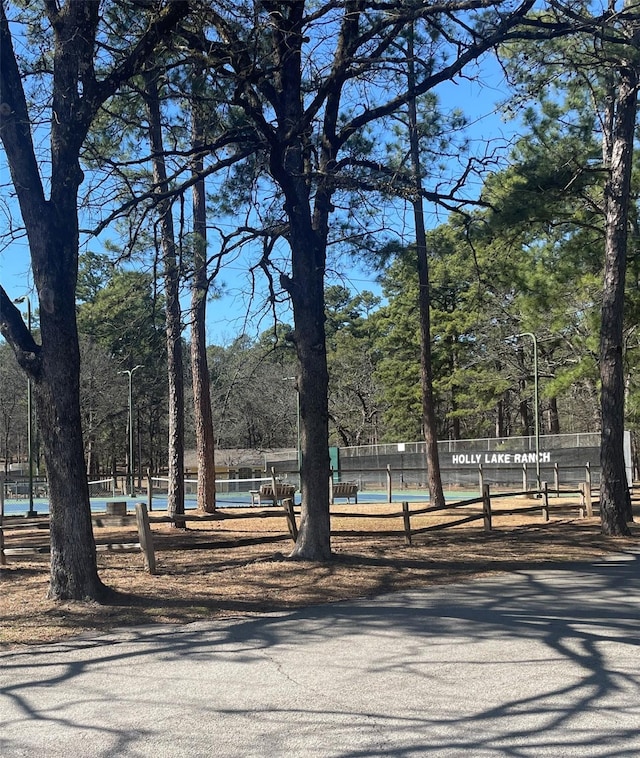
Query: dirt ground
{"x":230,"y":571}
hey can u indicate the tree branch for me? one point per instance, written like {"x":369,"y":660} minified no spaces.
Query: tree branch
{"x":15,"y":331}
{"x":15,"y":132}
{"x":165,"y":21}
{"x":159,"y":196}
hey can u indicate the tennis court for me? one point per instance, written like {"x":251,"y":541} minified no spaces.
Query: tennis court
{"x":229,"y":492}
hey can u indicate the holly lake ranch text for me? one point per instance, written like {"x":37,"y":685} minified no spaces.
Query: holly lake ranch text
{"x":497,"y":458}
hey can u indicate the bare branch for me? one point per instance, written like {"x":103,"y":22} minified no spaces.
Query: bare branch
{"x":15,"y":331}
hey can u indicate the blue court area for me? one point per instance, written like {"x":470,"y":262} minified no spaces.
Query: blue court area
{"x":238,"y":499}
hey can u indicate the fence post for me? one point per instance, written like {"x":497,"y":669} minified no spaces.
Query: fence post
{"x":287,"y":504}
{"x":486,"y":508}
{"x":545,"y":501}
{"x":389,"y":492}
{"x":583,"y":498}
{"x":525,"y":483}
{"x":149,"y":491}
{"x":556,"y":479}
{"x":145,"y":538}
{"x":480,"y":477}
{"x":274,"y":485}
{"x":588,"y":501}
{"x":406,"y":517}
{"x":3,"y":557}
{"x":331,"y":487}
{"x":587,"y":490}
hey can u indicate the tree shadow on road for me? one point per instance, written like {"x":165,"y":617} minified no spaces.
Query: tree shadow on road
{"x":536,"y":662}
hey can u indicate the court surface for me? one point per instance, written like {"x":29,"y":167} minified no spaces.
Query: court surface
{"x":19,"y":507}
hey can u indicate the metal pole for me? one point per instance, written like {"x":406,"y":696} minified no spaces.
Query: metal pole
{"x":31,"y":512}
{"x":299,"y":449}
{"x":298,"y":429}
{"x":130,"y":467}
{"x":130,"y":461}
{"x":536,"y":413}
{"x":3,"y":560}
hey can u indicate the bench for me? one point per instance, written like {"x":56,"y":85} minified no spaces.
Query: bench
{"x":345,"y":489}
{"x":266,"y":493}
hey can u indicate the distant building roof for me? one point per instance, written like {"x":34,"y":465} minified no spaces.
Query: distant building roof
{"x":240,"y":457}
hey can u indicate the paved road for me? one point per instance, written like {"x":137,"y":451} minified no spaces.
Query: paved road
{"x":535,"y":663}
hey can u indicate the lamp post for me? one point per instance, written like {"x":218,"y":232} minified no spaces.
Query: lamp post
{"x":129,"y":372}
{"x":31,"y":512}
{"x":299,"y":451}
{"x":536,"y":411}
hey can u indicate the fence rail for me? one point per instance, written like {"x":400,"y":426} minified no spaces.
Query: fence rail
{"x":410,"y":515}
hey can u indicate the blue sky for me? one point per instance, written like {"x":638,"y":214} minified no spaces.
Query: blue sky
{"x":227,"y":315}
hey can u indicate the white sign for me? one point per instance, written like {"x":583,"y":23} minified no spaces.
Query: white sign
{"x":470,"y":459}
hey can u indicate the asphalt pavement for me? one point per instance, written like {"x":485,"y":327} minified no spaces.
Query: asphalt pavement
{"x":531,"y":663}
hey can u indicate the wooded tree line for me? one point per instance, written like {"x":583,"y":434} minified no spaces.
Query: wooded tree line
{"x":196,"y":129}
{"x":372,"y":353}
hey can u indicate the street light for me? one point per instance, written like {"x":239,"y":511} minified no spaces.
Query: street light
{"x":31,"y":512}
{"x":289,"y":379}
{"x":536,"y":412}
{"x":129,"y":372}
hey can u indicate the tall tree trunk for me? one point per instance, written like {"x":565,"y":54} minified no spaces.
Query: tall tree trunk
{"x":523,"y":411}
{"x":308,"y":232}
{"x":455,"y":421}
{"x":429,"y":427}
{"x":307,"y":295}
{"x":52,"y":232}
{"x":500,"y":425}
{"x":203,"y":416}
{"x":554,"y":416}
{"x":173,"y":314}
{"x":615,"y":501}
{"x":73,"y":558}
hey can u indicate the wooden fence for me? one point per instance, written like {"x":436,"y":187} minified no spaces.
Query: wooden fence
{"x":485,"y":512}
{"x":393,"y":480}
{"x":406,"y":514}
